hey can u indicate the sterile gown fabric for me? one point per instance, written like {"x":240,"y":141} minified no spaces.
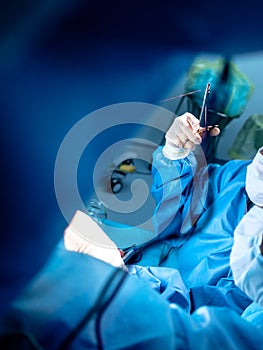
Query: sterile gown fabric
{"x":180,"y":295}
{"x":254,"y":179}
{"x":246,"y":258}
{"x":78,"y":302}
{"x":197,"y":211}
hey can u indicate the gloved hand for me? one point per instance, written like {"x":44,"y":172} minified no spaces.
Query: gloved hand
{"x":183,"y":135}
{"x":85,"y":236}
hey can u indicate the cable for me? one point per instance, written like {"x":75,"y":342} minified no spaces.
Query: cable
{"x":99,"y":307}
{"x":133,"y":254}
{"x":103,"y":309}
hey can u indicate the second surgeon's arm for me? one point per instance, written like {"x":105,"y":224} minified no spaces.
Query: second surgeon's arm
{"x":174,"y":169}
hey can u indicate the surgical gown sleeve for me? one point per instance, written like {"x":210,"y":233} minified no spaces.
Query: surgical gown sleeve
{"x":184,"y":190}
{"x":172,"y":187}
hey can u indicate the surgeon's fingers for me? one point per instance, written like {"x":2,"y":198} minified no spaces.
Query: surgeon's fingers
{"x":177,"y":140}
{"x":180,"y":140}
{"x":189,"y":125}
{"x":213,"y":130}
{"x":183,"y":132}
{"x":189,"y":145}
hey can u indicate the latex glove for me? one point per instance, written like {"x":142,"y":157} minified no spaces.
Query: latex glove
{"x":84,"y":235}
{"x":246,"y":258}
{"x":254,"y":179}
{"x":183,"y":135}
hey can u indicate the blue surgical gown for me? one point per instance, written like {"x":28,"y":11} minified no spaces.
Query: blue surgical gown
{"x":197,"y":211}
{"x":78,"y":302}
{"x":181,"y":295}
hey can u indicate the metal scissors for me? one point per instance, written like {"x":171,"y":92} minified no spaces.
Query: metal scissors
{"x":203,"y":112}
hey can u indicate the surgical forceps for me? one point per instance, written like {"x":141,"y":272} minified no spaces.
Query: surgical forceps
{"x":203,"y":113}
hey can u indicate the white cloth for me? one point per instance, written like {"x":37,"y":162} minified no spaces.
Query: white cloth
{"x":254,"y":179}
{"x":246,"y":259}
{"x":84,"y":235}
